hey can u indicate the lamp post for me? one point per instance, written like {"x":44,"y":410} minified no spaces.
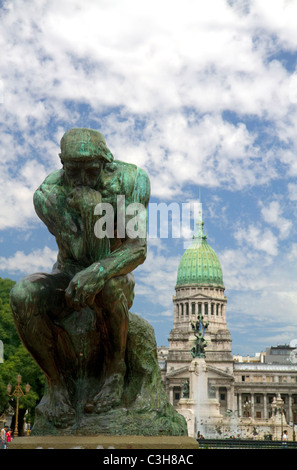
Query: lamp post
{"x":247,"y":408}
{"x":17,"y":393}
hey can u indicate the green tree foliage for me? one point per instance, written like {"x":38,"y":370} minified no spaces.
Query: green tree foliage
{"x":17,"y":360}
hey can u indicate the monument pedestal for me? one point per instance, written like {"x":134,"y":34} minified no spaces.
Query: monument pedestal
{"x":104,"y":442}
{"x":199,"y":411}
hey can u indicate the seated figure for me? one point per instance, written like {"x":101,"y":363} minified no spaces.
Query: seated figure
{"x":98,"y":358}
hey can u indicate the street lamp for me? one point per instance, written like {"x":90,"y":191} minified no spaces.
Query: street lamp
{"x":17,"y":393}
{"x":247,"y":408}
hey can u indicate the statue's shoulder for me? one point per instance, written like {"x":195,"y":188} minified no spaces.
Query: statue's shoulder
{"x":53,"y":180}
{"x":133,"y":179}
{"x":129,"y":172}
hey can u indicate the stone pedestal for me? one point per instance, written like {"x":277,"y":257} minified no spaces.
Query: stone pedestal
{"x":199,"y":410}
{"x":104,"y":442}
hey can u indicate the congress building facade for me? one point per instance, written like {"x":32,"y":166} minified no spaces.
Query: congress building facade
{"x":250,"y":390}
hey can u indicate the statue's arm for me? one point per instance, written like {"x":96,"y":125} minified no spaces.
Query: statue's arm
{"x":133,"y":248}
{"x":131,"y":253}
{"x":47,"y":203}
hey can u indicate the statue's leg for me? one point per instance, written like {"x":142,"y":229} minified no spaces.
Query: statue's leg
{"x":115,"y":300}
{"x":36,"y":301}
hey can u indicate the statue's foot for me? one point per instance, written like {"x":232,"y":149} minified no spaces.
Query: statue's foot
{"x":110,"y":396}
{"x":56,"y":408}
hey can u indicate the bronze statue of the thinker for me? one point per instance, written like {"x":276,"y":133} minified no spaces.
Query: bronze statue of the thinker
{"x":99,"y":359}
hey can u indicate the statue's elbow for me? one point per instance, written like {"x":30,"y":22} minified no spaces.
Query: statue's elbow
{"x":142,"y":249}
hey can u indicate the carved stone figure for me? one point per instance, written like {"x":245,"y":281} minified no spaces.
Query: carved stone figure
{"x":99,"y":359}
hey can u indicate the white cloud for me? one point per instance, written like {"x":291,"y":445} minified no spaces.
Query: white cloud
{"x":258,"y":239}
{"x":16,"y":209}
{"x":36,"y":261}
{"x":156,"y":278}
{"x":292,"y":191}
{"x":154,"y":62}
{"x":272,"y":214}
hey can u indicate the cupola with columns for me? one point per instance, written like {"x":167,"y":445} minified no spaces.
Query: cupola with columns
{"x":200,"y":290}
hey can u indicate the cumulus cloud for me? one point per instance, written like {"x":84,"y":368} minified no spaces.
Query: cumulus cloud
{"x":38,"y":260}
{"x":156,"y":278}
{"x":272,"y":214}
{"x":257,"y":239}
{"x":171,"y":74}
{"x":16,"y":208}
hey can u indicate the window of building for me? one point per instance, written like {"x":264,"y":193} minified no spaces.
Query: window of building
{"x":176,"y":395}
{"x":245,"y":378}
{"x":258,"y":399}
{"x":257,"y":378}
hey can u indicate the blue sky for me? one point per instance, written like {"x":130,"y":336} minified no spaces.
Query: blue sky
{"x":203,"y":96}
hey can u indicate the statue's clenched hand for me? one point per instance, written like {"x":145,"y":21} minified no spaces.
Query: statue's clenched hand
{"x":84,"y":287}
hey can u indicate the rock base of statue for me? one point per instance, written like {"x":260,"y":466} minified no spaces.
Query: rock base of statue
{"x":81,"y":404}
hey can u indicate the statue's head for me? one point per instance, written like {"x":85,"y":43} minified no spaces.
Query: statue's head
{"x":83,"y":154}
{"x":80,"y":145}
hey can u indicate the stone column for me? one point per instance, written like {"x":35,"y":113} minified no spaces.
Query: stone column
{"x":171,"y":395}
{"x":265,"y":405}
{"x":239,"y":405}
{"x":229,"y":399}
{"x":290,"y":417}
{"x":252,"y":405}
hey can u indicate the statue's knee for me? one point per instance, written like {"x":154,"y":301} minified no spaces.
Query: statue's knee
{"x":24,"y":298}
{"x":117,"y":287}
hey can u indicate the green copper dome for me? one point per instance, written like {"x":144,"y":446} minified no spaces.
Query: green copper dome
{"x":199,"y":263}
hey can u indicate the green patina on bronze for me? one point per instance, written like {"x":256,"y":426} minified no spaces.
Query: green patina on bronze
{"x":199,"y":328}
{"x":99,"y":359}
{"x":84,"y":144}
